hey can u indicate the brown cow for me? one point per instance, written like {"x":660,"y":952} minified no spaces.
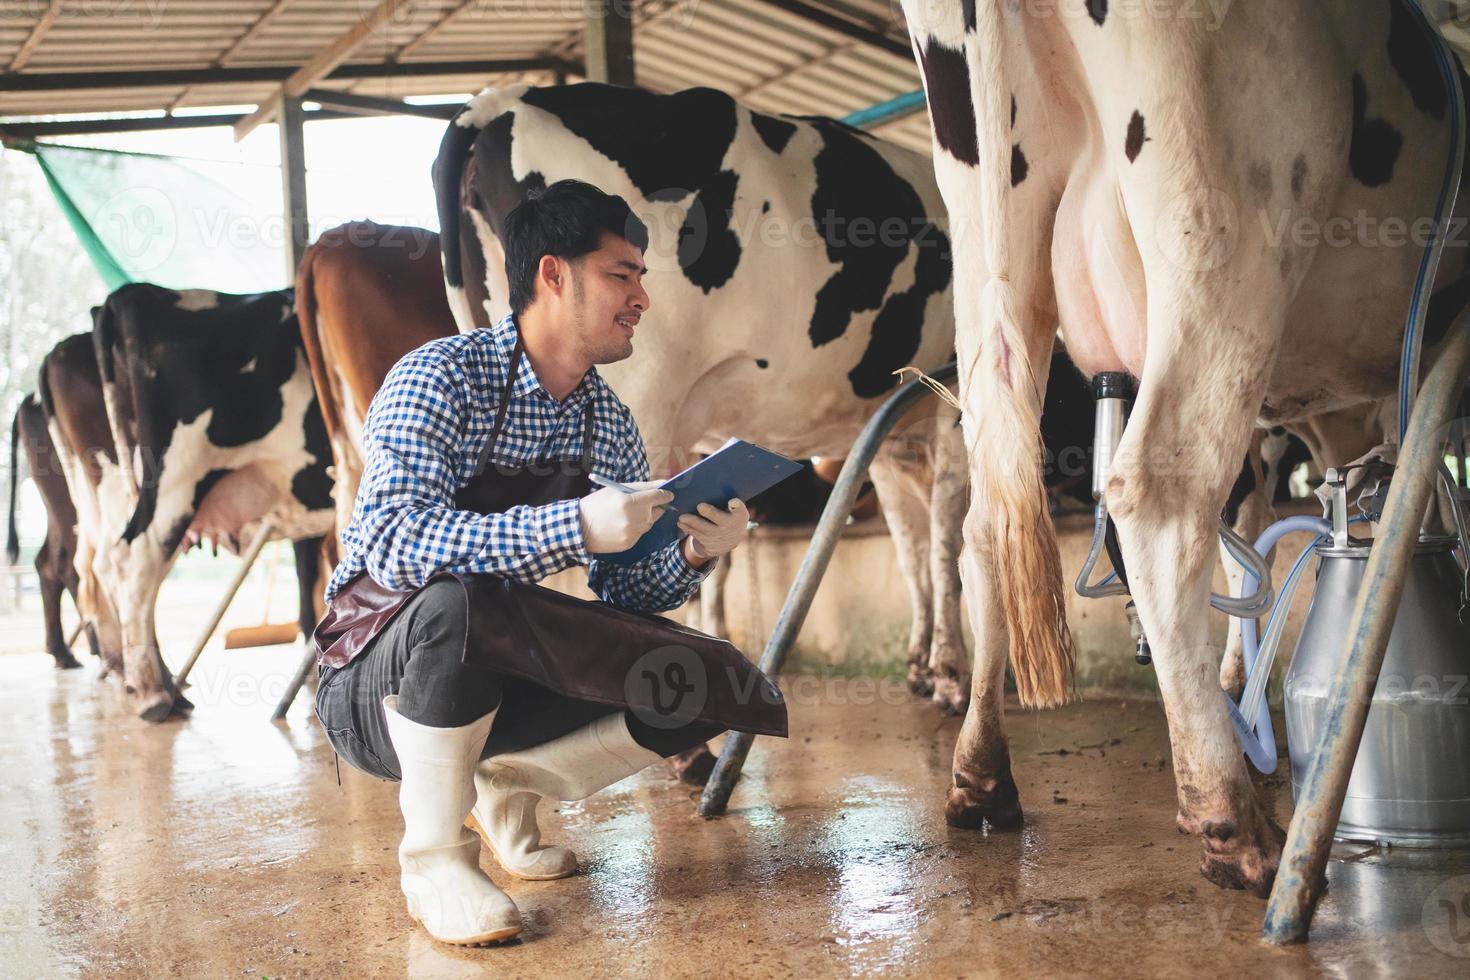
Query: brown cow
{"x":56,"y":558}
{"x":70,"y":390}
{"x":366,"y":294}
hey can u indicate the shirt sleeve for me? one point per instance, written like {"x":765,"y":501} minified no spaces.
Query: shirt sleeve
{"x":659,"y":582}
{"x":405,"y":511}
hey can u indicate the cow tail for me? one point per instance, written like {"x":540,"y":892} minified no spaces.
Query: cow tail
{"x":12,"y":540}
{"x":311,"y":339}
{"x":449,"y":166}
{"x":105,"y":342}
{"x":1018,"y":537}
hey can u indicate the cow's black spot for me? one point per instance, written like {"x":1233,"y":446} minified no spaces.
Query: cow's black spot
{"x":1298,"y":176}
{"x":762,"y":363}
{"x":1019,"y":168}
{"x":1444,"y":306}
{"x":1375,"y":143}
{"x":1245,"y":485}
{"x":774,"y":132}
{"x":967,"y":7}
{"x":898,"y":325}
{"x":1412,"y":53}
{"x":658,"y":140}
{"x":947,"y":80}
{"x":1098,"y":10}
{"x":669,"y":146}
{"x":766,"y":207}
{"x":1013,"y":111}
{"x":708,"y":248}
{"x":871,"y":221}
{"x":311,"y":485}
{"x":1137,"y":136}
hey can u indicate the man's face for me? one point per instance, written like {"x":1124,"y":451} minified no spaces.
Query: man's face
{"x":607,"y":299}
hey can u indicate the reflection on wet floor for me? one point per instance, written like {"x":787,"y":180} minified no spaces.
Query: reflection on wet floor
{"x":223,"y":845}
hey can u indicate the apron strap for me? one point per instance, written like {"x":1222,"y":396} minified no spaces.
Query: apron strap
{"x":502,"y":408}
{"x":589,"y":430}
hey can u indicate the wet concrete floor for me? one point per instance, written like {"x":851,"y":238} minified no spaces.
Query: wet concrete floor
{"x":223,"y":846}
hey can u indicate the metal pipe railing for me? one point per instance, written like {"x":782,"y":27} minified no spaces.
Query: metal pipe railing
{"x":1301,"y":876}
{"x":818,"y":554}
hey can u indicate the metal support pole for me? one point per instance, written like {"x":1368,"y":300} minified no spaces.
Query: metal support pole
{"x":818,"y":554}
{"x":308,"y":661}
{"x":609,"y":42}
{"x":1301,"y":877}
{"x":247,"y":559}
{"x":293,"y":183}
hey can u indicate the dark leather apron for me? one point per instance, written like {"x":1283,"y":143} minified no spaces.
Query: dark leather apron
{"x":592,"y":651}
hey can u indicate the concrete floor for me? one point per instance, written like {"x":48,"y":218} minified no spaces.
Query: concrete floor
{"x":223,"y":846}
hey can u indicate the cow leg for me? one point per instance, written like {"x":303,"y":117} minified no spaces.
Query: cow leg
{"x":901,"y":480}
{"x":1164,"y":492}
{"x":949,"y":661}
{"x":983,"y":792}
{"x":49,"y":572}
{"x":712,"y":600}
{"x":308,"y":553}
{"x":141,"y":568}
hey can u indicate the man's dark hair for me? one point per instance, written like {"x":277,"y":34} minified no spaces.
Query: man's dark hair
{"x":566,"y":220}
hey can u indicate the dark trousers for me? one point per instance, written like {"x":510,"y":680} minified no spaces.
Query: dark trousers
{"x":421,"y":657}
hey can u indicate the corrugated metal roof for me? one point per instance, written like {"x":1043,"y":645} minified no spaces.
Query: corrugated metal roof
{"x":769,"y":57}
{"x":766,"y":56}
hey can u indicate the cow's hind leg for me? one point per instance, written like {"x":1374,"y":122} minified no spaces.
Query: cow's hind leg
{"x":49,"y":570}
{"x":984,"y":790}
{"x":1182,"y":450}
{"x":949,"y":661}
{"x":901,"y":478}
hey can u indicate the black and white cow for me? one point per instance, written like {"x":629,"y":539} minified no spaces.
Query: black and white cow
{"x":212,"y":400}
{"x":1221,"y":208}
{"x":56,"y":557}
{"x":794,"y":265}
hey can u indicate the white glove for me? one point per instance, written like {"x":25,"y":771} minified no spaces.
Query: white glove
{"x":714,"y":532}
{"x":613,"y":520}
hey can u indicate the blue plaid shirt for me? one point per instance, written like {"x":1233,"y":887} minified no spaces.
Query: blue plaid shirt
{"x":424,"y":433}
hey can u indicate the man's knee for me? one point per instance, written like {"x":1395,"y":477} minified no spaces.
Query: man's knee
{"x":438,"y":620}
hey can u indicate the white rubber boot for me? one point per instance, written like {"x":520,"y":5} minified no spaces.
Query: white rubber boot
{"x":572,"y":767}
{"x":440,"y":863}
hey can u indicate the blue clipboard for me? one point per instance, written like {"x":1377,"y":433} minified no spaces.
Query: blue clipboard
{"x":737,"y":469}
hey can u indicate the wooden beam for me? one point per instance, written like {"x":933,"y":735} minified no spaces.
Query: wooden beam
{"x":609,"y":45}
{"x":293,"y":183}
{"x":42,"y":28}
{"x":252,"y":32}
{"x":320,"y":65}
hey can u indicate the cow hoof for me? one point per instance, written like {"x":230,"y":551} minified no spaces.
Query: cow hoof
{"x":978,"y":800}
{"x":951,"y":694}
{"x":692,"y":767}
{"x":65,"y":661}
{"x":921,"y":680}
{"x":156,"y":707}
{"x":1242,"y":861}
